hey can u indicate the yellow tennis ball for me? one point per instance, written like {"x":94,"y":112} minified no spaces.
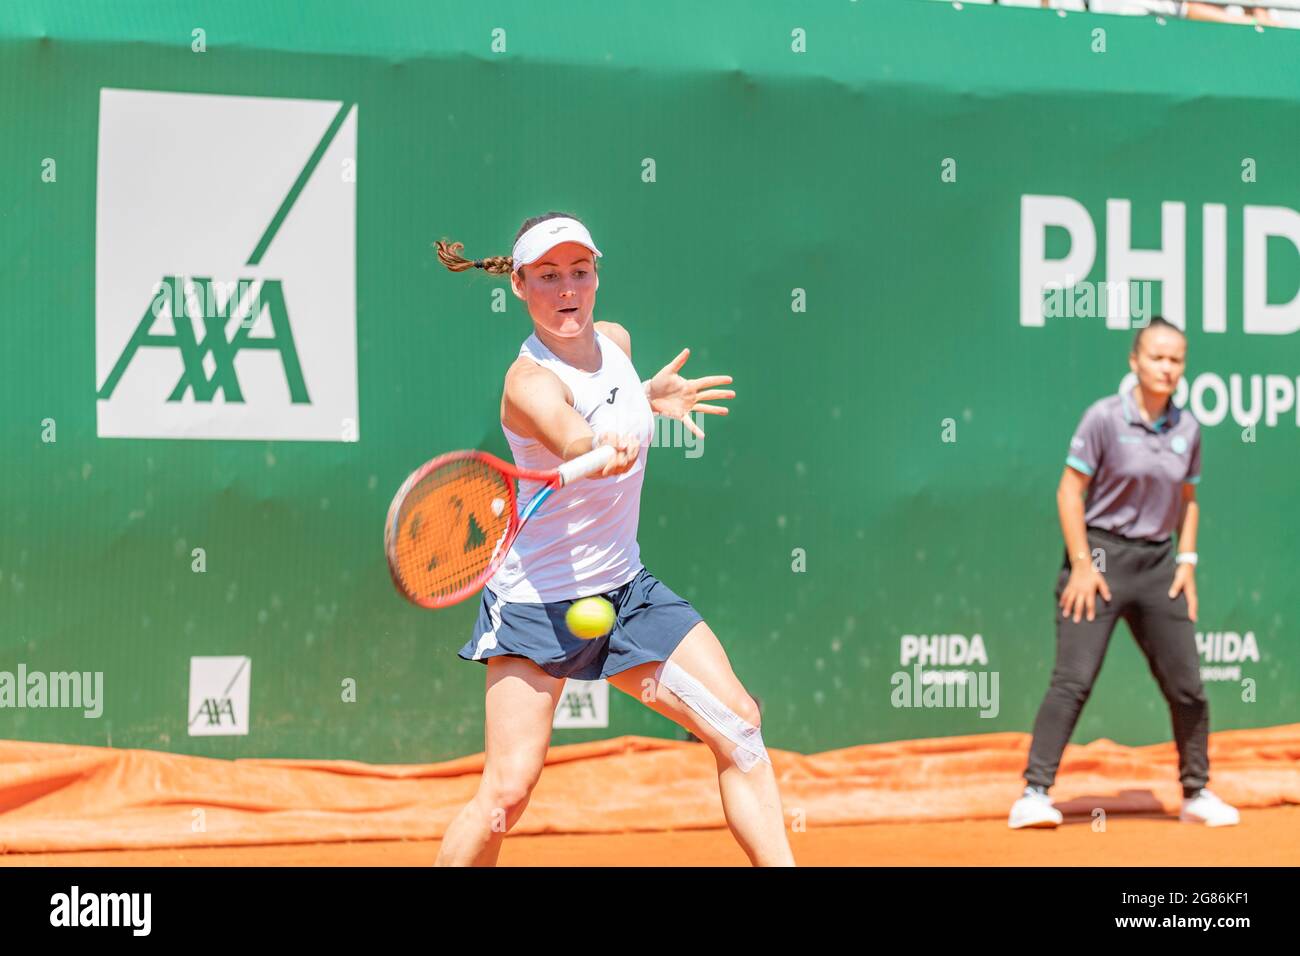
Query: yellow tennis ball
{"x":590,"y":617}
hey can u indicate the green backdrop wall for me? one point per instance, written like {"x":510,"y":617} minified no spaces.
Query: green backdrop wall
{"x":903,"y":429}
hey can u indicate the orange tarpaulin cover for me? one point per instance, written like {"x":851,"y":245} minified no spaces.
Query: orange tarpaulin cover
{"x":60,"y":797}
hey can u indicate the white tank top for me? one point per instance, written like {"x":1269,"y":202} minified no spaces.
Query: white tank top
{"x":582,"y":540}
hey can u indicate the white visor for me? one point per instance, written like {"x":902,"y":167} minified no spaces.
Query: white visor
{"x":544,"y":236}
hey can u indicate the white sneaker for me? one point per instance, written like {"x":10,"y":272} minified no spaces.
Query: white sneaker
{"x":1206,"y":808}
{"x":1033,"y":809}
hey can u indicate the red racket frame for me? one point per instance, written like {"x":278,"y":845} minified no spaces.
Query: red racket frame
{"x":550,"y":478}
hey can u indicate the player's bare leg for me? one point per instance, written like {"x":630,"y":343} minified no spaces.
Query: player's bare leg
{"x":750,"y":799}
{"x":520,"y":705}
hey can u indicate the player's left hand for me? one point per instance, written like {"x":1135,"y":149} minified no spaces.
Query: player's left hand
{"x":673,"y":396}
{"x":1185,"y":581}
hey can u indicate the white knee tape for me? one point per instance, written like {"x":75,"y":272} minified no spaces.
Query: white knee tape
{"x":747,"y":738}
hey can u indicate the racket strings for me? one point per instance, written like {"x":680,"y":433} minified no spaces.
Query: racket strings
{"x":450,"y":526}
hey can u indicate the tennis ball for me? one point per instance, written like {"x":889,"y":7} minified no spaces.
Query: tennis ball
{"x":590,"y":617}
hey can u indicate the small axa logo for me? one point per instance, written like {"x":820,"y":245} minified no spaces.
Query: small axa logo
{"x":579,"y":704}
{"x":582,"y":704}
{"x":209,"y":362}
{"x":102,"y":909}
{"x":213,"y":709}
{"x":219,"y":695}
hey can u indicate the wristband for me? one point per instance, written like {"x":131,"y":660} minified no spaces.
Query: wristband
{"x":1186,"y":557}
{"x":1080,"y":556}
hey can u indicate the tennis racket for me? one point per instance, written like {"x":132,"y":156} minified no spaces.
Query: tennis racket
{"x":453,"y":520}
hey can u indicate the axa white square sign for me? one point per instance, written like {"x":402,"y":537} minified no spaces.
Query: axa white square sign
{"x":225,"y":267}
{"x":219,"y":688}
{"x":584,"y":703}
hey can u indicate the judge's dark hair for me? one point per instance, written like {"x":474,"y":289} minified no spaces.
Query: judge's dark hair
{"x":1157,"y":322}
{"x":449,"y":252}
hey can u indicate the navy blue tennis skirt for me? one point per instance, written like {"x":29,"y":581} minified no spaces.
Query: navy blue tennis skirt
{"x":650,"y":621}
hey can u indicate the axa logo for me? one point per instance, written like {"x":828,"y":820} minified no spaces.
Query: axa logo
{"x":226,"y":279}
{"x":219,"y":695}
{"x":267,"y":297}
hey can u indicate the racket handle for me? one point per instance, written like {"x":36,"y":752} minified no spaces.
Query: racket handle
{"x":584,"y":465}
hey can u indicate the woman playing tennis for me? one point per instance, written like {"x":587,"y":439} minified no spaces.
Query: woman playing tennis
{"x":572,"y":387}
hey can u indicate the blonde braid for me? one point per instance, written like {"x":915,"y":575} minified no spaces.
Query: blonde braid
{"x":449,"y":256}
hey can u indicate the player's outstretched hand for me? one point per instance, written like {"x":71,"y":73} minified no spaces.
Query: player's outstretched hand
{"x":674,"y":396}
{"x":627,"y":448}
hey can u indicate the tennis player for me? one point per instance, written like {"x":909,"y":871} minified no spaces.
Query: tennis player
{"x":1129,"y":483}
{"x":572,"y":387}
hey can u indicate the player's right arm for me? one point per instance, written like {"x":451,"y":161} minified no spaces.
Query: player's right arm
{"x":536,"y":405}
{"x":1080,"y":592}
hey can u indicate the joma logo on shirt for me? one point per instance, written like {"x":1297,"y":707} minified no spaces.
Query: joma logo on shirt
{"x":214,"y":344}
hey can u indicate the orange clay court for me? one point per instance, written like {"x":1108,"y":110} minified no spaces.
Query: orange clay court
{"x":637,"y":801}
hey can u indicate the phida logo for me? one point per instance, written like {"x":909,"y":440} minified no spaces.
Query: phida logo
{"x":225,"y":298}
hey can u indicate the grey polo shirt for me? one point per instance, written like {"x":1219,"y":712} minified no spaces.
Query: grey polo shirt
{"x":1137,"y":470}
